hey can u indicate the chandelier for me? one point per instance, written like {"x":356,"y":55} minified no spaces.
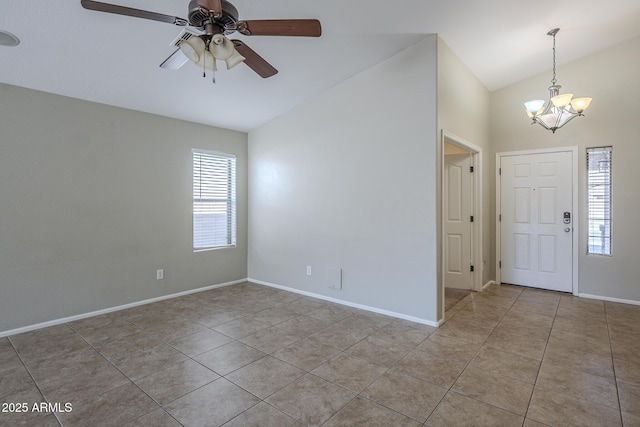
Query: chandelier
{"x":560,"y":109}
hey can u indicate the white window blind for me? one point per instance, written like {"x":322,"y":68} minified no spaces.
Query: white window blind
{"x":599,"y":200}
{"x":214,"y":200}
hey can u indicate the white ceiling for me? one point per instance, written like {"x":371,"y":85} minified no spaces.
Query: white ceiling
{"x":114,"y":60}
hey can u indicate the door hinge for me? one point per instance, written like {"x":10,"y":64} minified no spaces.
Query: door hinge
{"x":499,"y":171}
{"x":499,"y":264}
{"x":499,"y":217}
{"x":471,"y":219}
{"x":471,"y":169}
{"x":472,"y":269}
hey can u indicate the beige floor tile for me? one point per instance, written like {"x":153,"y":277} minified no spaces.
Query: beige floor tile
{"x":350,"y":372}
{"x":629,"y":398}
{"x":129,"y":403}
{"x":408,"y":395}
{"x":115,"y":349}
{"x":84,"y":384}
{"x":263,"y":415}
{"x":306,"y":354}
{"x":112,"y":331}
{"x":215,"y":317}
{"x":449,"y":347}
{"x":533,"y":331}
{"x":157,"y":418}
{"x":147,"y":362}
{"x":580,"y":342}
{"x":627,"y":371}
{"x":433,"y":369}
{"x":229,"y":357}
{"x":338,"y":337}
{"x":239,"y":328}
{"x":303,"y":325}
{"x":271,"y":339}
{"x":540,"y":297}
{"x":201,"y":342}
{"x":175,"y":329}
{"x":378,"y":350}
{"x":403,"y":334}
{"x":332,"y":312}
{"x":169,"y":384}
{"x":456,"y":410}
{"x":506,"y":393}
{"x":528,"y":422}
{"x":524,"y":305}
{"x":519,"y":316}
{"x":571,"y":358}
{"x":9,"y":360}
{"x":305,"y":305}
{"x":626,"y":349}
{"x":595,"y":330}
{"x":507,"y":364}
{"x":27,"y":416}
{"x":556,"y":409}
{"x":40,"y":346}
{"x":469,"y":316}
{"x":311,"y":399}
{"x":273,"y":316}
{"x":66,"y":364}
{"x":265,"y":376}
{"x":211,"y":405}
{"x":517,"y":344}
{"x":363,"y":413}
{"x":464,"y":331}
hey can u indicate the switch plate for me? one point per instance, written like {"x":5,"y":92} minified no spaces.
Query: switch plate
{"x":308,"y":270}
{"x":160,"y":274}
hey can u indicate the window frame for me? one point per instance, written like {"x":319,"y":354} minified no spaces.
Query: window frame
{"x":599,"y":213}
{"x":197,"y":235}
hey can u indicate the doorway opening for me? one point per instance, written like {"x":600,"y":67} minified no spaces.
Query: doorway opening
{"x":461,"y":238}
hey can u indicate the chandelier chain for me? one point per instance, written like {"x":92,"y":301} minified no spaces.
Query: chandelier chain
{"x":553,"y":80}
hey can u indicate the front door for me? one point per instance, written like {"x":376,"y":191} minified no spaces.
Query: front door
{"x":536,"y":226}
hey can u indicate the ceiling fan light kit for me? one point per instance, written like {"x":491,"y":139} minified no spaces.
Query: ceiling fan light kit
{"x":560,"y":109}
{"x":212,"y":22}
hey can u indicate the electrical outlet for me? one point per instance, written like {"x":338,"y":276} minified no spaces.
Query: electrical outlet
{"x":308,"y":270}
{"x":160,"y":274}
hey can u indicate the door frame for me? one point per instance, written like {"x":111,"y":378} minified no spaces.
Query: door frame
{"x":574,"y":207}
{"x":476,"y":225}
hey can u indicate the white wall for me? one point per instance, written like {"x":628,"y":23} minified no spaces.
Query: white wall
{"x":611,"y":78}
{"x":463,"y":110}
{"x":348,"y":180}
{"x":94,"y":199}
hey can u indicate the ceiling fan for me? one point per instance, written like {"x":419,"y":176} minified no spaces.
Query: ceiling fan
{"x":204,"y":39}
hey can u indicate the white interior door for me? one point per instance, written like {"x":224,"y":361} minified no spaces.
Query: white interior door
{"x":457,"y":211}
{"x":536,"y":227}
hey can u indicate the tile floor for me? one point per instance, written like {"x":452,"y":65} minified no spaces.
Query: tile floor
{"x":248,"y":355}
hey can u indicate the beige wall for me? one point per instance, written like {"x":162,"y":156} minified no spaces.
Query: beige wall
{"x":348,"y":180}
{"x":94,"y":199}
{"x":611,"y":78}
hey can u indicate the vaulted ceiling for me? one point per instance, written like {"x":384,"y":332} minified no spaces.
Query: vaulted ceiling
{"x":114,"y":59}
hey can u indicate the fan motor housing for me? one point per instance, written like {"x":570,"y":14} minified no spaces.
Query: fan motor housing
{"x":200,"y":13}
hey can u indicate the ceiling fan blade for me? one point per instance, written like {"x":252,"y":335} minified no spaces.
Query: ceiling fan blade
{"x":281,"y":27}
{"x":128,"y":11}
{"x":254,"y":61}
{"x":175,"y":61}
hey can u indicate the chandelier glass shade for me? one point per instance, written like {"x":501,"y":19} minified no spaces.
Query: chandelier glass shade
{"x":219,"y":48}
{"x":560,"y":108}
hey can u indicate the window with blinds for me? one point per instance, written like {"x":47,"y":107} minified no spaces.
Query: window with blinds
{"x":214,"y":200}
{"x":599,"y":200}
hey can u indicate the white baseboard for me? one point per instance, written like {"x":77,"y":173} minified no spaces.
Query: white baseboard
{"x":610,"y":299}
{"x":112,"y":309}
{"x":348,"y":304}
{"x":489,"y":283}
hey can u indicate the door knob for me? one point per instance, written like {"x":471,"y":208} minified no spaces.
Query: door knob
{"x":566,"y":230}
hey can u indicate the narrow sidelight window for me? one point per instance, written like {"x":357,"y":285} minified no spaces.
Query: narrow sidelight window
{"x":214,"y":200}
{"x":599,"y":200}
